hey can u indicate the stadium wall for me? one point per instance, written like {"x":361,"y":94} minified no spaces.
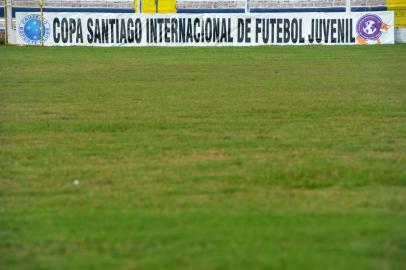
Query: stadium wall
{"x":205,"y":6}
{"x":213,"y":6}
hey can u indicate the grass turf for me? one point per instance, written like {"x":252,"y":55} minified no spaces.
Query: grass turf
{"x":206,"y":158}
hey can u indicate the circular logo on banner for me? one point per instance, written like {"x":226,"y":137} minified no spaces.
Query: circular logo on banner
{"x":369,"y":27}
{"x":30,"y":29}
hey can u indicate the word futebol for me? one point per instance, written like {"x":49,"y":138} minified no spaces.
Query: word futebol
{"x":201,"y":30}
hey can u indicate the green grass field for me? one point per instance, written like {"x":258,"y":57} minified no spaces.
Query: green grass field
{"x":203,"y":158}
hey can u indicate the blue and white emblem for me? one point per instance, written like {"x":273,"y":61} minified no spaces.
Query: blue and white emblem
{"x":30,"y":29}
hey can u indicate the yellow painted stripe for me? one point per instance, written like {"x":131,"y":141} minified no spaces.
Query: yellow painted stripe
{"x":148,"y":6}
{"x":399,"y":6}
{"x":396,"y":4}
{"x":167,"y":6}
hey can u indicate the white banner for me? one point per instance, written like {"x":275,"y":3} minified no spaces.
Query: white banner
{"x":101,"y":29}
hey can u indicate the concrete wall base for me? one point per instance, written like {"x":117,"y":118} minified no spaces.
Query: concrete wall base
{"x":400,"y":35}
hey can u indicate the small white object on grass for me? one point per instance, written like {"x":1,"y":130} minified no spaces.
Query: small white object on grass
{"x":76,"y":182}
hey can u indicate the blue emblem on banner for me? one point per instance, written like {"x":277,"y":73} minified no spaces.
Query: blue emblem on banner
{"x":30,"y":29}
